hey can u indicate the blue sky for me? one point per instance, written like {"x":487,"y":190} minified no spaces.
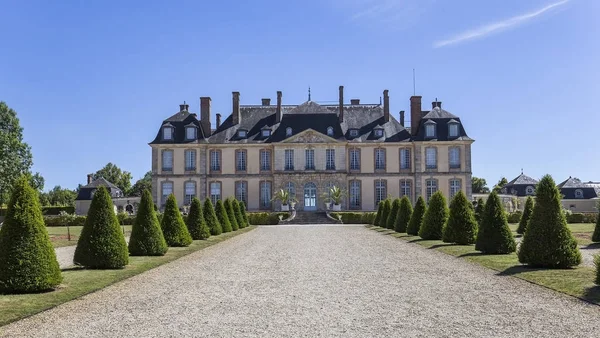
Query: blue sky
{"x":92,"y":80}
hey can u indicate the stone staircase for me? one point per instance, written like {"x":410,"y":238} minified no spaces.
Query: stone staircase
{"x":308,"y":217}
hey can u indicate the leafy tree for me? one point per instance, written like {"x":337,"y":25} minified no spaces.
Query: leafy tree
{"x":596,"y":235}
{"x":404,"y":215}
{"x":211,"y":218}
{"x":36,"y":181}
{"x":101,"y":244}
{"x":27,"y":259}
{"x":387,"y":208}
{"x":59,"y":197}
{"x":113,"y":174}
{"x":173,"y":227}
{"x":461,"y":227}
{"x":391,"y":219}
{"x":15,"y":155}
{"x":526,"y":216}
{"x":503,"y":181}
{"x":435,"y":217}
{"x":479,"y":185}
{"x":222,"y":217}
{"x":416,"y":219}
{"x":479,"y":209}
{"x":377,"y":221}
{"x":244,"y":214}
{"x":231,"y":215}
{"x":494,"y":236}
{"x":238,"y":213}
{"x":146,"y":234}
{"x":195,"y":221}
{"x":547,"y":241}
{"x":141,"y":185}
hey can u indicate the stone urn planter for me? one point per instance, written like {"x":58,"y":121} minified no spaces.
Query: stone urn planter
{"x":327,"y":205}
{"x":337,"y":207}
{"x":285,"y":207}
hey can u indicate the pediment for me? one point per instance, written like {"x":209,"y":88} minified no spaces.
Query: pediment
{"x":310,"y":136}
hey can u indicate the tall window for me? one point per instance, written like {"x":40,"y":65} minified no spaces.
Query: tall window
{"x":355,"y":194}
{"x":265,"y":195}
{"x":430,"y":158}
{"x":190,"y":133}
{"x":167,"y":133}
{"x":215,"y":191}
{"x":330,"y":157}
{"x":289,"y":159}
{"x":454,"y":157}
{"x":240,"y":160}
{"x":406,"y":188}
{"x":379,"y":159}
{"x":190,"y":160}
{"x":241,"y":191}
{"x":265,"y":160}
{"x":453,"y":129}
{"x":310,"y":159}
{"x":454,"y":187}
{"x":167,"y":160}
{"x":380,"y":191}
{"x":167,"y":189}
{"x":404,"y":158}
{"x":215,"y":160}
{"x":291,"y":188}
{"x":190,"y":192}
{"x":430,"y":130}
{"x":431,"y":187}
{"x":354,"y":159}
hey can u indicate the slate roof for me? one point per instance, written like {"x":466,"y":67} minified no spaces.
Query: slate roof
{"x":442,"y":119}
{"x":518,"y":186}
{"x":179,"y":121}
{"x":85,"y":192}
{"x":522,"y":180}
{"x":571,"y":185}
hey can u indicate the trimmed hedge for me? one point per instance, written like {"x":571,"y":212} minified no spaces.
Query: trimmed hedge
{"x":146,"y":234}
{"x":222,"y":216}
{"x":231,"y":215}
{"x":416,"y":219}
{"x":597,"y":264}
{"x":266,"y":218}
{"x":174,"y":229}
{"x":238,"y":213}
{"x":377,"y":220}
{"x":435,"y":217}
{"x":245,"y":214}
{"x":461,"y":227}
{"x":48,"y":210}
{"x":514,"y":217}
{"x":211,"y":218}
{"x":596,"y":234}
{"x":355,"y":217}
{"x":387,"y":209}
{"x":67,"y":220}
{"x":526,"y":216}
{"x":479,"y":209}
{"x":391,"y":219}
{"x":582,"y":217}
{"x":195,"y":221}
{"x":494,"y":236}
{"x":404,"y":215}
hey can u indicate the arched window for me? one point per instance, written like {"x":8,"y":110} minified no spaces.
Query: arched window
{"x":329,"y":131}
{"x":288,"y":131}
{"x":578,"y":193}
{"x":529,"y":190}
{"x":291,"y":188}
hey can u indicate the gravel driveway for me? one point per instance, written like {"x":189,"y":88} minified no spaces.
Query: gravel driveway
{"x":317,"y":281}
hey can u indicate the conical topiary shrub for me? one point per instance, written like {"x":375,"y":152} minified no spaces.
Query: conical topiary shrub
{"x":244,"y":214}
{"x":173,"y":227}
{"x":547,"y":241}
{"x":461,"y":227}
{"x":596,"y":234}
{"x":416,"y":219}
{"x":210,"y":217}
{"x":101,"y":244}
{"x":479,"y":210}
{"x":494,"y":235}
{"x":377,"y":221}
{"x":526,"y":216}
{"x":231,"y":215}
{"x":597,"y":264}
{"x":435,"y":217}
{"x":391,"y":219}
{"x":146,"y":234}
{"x":195,"y":221}
{"x":387,"y":208}
{"x":222,"y":216}
{"x":238,"y":213}
{"x":404,"y":215}
{"x":27,"y":259}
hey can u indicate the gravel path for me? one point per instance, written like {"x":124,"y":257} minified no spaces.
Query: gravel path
{"x":65,"y":254}
{"x":317,"y":282}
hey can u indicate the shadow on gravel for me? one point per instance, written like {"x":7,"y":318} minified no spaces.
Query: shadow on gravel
{"x":591,"y":246}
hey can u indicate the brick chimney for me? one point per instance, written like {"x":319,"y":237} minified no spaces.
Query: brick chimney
{"x":436,"y":104}
{"x":266,"y":102}
{"x":341,"y":114}
{"x":386,"y":106}
{"x":415,"y":114}
{"x":235,"y":116}
{"x":402,"y":118}
{"x":218,"y":120}
{"x":354,"y":102}
{"x":89,"y":178}
{"x":184,"y":107}
{"x":278,"y":113}
{"x":205,"y":115}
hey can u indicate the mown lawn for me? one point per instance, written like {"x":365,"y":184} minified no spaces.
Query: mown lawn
{"x":59,"y":236}
{"x":582,"y":232}
{"x":79,"y":282}
{"x":577,"y":282}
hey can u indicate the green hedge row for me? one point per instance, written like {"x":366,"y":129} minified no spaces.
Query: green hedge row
{"x":49,"y":210}
{"x":72,"y":220}
{"x":582,"y":218}
{"x":514,"y":217}
{"x":266,"y":218}
{"x":355,"y":217}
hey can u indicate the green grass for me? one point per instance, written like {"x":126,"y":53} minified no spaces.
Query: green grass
{"x":577,"y":282}
{"x":582,"y":232}
{"x":79,"y":282}
{"x":59,"y":235}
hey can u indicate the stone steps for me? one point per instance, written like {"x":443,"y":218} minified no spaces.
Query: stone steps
{"x":307,"y":217}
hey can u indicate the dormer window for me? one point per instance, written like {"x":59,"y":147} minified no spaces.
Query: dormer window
{"x":453,"y":129}
{"x":353,"y":132}
{"x":529,"y":190}
{"x":378,"y":132}
{"x":190,"y":133}
{"x":578,"y":193}
{"x":429,"y":129}
{"x":266,"y":132}
{"x":288,"y":131}
{"x":242,"y":133}
{"x":167,"y":133}
{"x":329,"y":131}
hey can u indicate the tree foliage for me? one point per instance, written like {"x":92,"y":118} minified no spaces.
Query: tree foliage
{"x":387,"y":208}
{"x":404,"y":215}
{"x":435,"y":217}
{"x":244,"y":213}
{"x":195,"y":221}
{"x":222,"y":216}
{"x":596,"y":234}
{"x":377,"y":221}
{"x":502,"y":182}
{"x":547,"y":241}
{"x":144,"y":183}
{"x":27,"y":259}
{"x":416,"y":219}
{"x":461,"y":227}
{"x":231,"y":215}
{"x":113,"y":174}
{"x":174,"y":229}
{"x":238,"y":213}
{"x":391,"y":219}
{"x":146,"y":234}
{"x":479,"y":210}
{"x":526,"y":215}
{"x":494,"y":236}
{"x":211,"y":218}
{"x":58,"y":197}
{"x":479,"y":185}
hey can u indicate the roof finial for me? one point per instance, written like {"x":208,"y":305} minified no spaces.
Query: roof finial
{"x":308,"y":93}
{"x":521,"y":171}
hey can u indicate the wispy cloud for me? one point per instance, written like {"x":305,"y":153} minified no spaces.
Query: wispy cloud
{"x":395,"y":14}
{"x":496,"y":27}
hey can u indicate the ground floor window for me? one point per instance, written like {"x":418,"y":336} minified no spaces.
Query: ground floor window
{"x":167,"y":189}
{"x":190,"y":192}
{"x":215,"y":192}
{"x":432,"y":187}
{"x":380,"y":191}
{"x":265,"y":195}
{"x":406,"y":189}
{"x":241,"y":191}
{"x":454,"y":187}
{"x":355,"y":194}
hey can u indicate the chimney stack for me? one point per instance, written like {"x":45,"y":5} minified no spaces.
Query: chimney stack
{"x":415,"y":114}
{"x":278,"y":112}
{"x":402,"y":118}
{"x":341,"y":114}
{"x":89,"y":178}
{"x":235,"y":117}
{"x":436,"y":103}
{"x":218,"y":120}
{"x":266,"y":102}
{"x":386,"y":106}
{"x":205,"y":115}
{"x":354,"y":102}
{"x":184,"y":107}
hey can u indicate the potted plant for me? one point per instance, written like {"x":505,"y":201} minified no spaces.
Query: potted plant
{"x":334,"y":198}
{"x":285,"y":198}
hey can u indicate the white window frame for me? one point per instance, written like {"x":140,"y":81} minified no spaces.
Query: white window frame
{"x":330,"y":159}
{"x":241,"y":191}
{"x":288,"y":131}
{"x":329,"y":131}
{"x":215,"y":160}
{"x":265,"y":194}
{"x":431,"y":187}
{"x":266,"y":132}
{"x":430,"y":130}
{"x":530,"y":190}
{"x":431,"y":158}
{"x":405,"y":159}
{"x":578,"y":193}
{"x":455,"y":186}
{"x":354,"y":159}
{"x":189,"y":192}
{"x":380,"y":191}
{"x":215,"y":191}
{"x":190,"y":159}
{"x":170,"y":133}
{"x":291,"y":188}
{"x":241,"y":162}
{"x":355,"y":194}
{"x":380,"y":159}
{"x":167,"y":162}
{"x":242,"y":133}
{"x":453,"y":129}
{"x":187,"y":133}
{"x":378,"y":132}
{"x":165,"y":192}
{"x":289,"y":159}
{"x":406,"y":188}
{"x":353,"y":132}
{"x":265,"y":160}
{"x":454,"y":157}
{"x":309,"y":158}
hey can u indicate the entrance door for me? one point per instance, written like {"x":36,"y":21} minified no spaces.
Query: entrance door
{"x":310,"y":197}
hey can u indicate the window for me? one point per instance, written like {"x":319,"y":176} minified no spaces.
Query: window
{"x":190,"y":160}
{"x":355,"y":159}
{"x":578,"y":193}
{"x":430,"y":130}
{"x":167,"y":133}
{"x":289,"y":159}
{"x":355,"y":194}
{"x":330,"y":159}
{"x":328,"y":187}
{"x":241,"y":191}
{"x":288,"y":131}
{"x":190,"y":133}
{"x":529,"y":190}
{"x":378,"y":132}
{"x":291,"y":188}
{"x":167,"y":189}
{"x":353,"y":132}
{"x":167,"y":160}
{"x":406,"y":188}
{"x":380,"y":191}
{"x":405,"y":158}
{"x":310,"y":159}
{"x":329,"y":131}
{"x":190,"y":192}
{"x":453,"y":129}
{"x":265,"y":160}
{"x":266,"y":133}
{"x":454,"y":187}
{"x":215,"y":160}
{"x":240,"y":160}
{"x":242,"y":134}
{"x":431,"y":187}
{"x":379,"y":159}
{"x":265,"y":195}
{"x":454,"y":157}
{"x":215,"y":192}
{"x":430,"y":158}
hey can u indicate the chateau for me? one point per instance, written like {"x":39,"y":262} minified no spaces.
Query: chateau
{"x":308,"y":148}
